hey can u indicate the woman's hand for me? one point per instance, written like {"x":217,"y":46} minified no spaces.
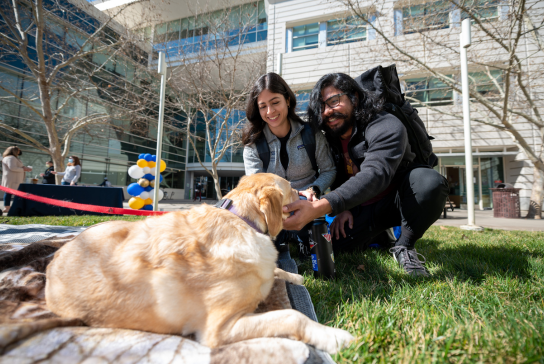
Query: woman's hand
{"x":72,"y":183}
{"x":309,"y":194}
{"x":339,"y":222}
{"x":26,"y":169}
{"x":41,"y":174}
{"x":53,"y":172}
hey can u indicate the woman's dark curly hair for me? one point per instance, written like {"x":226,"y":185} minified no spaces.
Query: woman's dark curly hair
{"x":275,"y":84}
{"x":365,"y":104}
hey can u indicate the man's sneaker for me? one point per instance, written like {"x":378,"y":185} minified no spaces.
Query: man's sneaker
{"x":409,"y":261}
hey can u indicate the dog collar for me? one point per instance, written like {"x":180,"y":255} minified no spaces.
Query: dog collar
{"x":227,"y":204}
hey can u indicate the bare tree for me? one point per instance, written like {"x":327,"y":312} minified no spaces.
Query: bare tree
{"x":506,"y":48}
{"x":64,"y":53}
{"x":214,"y":62}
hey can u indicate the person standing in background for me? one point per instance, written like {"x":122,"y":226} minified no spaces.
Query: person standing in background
{"x":48,"y":176}
{"x":72,"y":173}
{"x":13,"y":172}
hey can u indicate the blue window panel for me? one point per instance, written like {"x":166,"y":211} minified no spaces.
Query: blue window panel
{"x":306,"y":42}
{"x":262,"y":26}
{"x":262,"y":35}
{"x":249,"y":38}
{"x":305,"y":36}
{"x":234,"y":40}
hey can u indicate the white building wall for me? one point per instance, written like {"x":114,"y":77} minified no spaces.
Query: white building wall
{"x":302,"y":69}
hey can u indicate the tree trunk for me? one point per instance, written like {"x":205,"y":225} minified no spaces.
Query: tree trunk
{"x":537,"y":192}
{"x":216,"y":184}
{"x":58,"y":164}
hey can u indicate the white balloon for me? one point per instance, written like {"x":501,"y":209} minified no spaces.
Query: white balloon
{"x":135,"y":172}
{"x":152,"y":172}
{"x":152,"y":194}
{"x":146,"y":170}
{"x":144,"y":195}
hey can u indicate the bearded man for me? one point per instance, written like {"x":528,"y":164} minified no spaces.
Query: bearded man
{"x":377,"y":186}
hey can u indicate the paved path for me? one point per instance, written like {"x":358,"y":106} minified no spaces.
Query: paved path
{"x":456,"y":218}
{"x":485,"y":218}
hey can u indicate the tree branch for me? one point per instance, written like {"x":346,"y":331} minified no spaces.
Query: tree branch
{"x":23,"y":101}
{"x":33,"y":142}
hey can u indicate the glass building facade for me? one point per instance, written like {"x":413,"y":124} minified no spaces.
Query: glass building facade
{"x":106,"y":150}
{"x":488,"y":173}
{"x":238,"y":25}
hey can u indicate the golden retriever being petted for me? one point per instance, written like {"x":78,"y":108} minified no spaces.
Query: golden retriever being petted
{"x":200,"y":272}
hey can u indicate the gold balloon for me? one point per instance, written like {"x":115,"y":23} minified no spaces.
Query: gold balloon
{"x":143,"y":182}
{"x":136,"y":203}
{"x":152,"y":183}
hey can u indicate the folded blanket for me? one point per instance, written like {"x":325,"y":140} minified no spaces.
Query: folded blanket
{"x":30,"y":332}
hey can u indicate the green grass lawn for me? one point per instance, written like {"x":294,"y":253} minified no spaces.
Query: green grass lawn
{"x":483,"y":303}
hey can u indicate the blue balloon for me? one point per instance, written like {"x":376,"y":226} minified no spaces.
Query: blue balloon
{"x":147,"y":157}
{"x":161,"y":178}
{"x":149,"y":177}
{"x":135,"y":189}
{"x":147,"y":208}
{"x":154,"y":158}
{"x":141,"y":156}
{"x":148,"y":188}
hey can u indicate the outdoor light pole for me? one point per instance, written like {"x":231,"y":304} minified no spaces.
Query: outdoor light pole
{"x":162,"y":72}
{"x":465,"y":41}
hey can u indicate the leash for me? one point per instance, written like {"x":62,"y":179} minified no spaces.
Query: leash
{"x":81,"y":206}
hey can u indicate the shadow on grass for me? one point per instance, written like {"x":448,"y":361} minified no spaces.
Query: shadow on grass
{"x":475,"y":262}
{"x":373,"y":274}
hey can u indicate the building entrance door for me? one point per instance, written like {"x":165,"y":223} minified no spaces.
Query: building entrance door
{"x":456,"y":176}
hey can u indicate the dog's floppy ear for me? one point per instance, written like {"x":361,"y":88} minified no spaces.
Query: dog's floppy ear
{"x":270,"y":204}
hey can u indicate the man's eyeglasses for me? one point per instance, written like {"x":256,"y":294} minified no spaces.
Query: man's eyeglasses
{"x":332,"y":101}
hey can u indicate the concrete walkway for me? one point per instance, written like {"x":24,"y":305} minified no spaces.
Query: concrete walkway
{"x":456,"y":218}
{"x":485,"y":219}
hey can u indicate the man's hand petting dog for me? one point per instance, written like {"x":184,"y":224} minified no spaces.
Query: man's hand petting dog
{"x":304,"y":212}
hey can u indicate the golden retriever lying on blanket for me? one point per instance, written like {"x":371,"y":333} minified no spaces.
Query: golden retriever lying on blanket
{"x":199,"y":272}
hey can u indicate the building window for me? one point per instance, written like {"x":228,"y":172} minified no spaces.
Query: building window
{"x":347,"y":30}
{"x":482,"y":9}
{"x":428,"y":16}
{"x":305,"y":37}
{"x":228,"y":27}
{"x":303,"y":100}
{"x":428,"y":90}
{"x":484,"y":84}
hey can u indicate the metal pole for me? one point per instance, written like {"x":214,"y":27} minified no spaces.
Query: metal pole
{"x":481,"y":197}
{"x":465,"y":41}
{"x":162,"y":72}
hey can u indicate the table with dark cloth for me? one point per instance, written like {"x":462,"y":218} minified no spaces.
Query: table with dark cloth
{"x":100,"y":196}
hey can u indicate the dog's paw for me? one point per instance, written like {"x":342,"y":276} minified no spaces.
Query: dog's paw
{"x":333,"y":340}
{"x":297,"y":279}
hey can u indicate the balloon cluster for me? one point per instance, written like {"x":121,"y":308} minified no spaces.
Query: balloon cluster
{"x":143,"y":192}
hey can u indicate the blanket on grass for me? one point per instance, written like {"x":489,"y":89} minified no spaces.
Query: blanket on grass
{"x":29,"y":332}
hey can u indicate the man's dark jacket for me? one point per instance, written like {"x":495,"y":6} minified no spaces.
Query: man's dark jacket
{"x":380,"y":150}
{"x":48,"y":177}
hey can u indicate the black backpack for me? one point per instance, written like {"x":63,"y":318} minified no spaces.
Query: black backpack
{"x":384,"y":82}
{"x":308,"y":139}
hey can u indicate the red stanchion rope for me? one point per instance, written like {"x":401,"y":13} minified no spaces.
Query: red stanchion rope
{"x":81,"y":206}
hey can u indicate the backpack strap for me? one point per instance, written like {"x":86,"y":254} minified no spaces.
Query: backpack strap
{"x":308,"y":139}
{"x":263,"y":150}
